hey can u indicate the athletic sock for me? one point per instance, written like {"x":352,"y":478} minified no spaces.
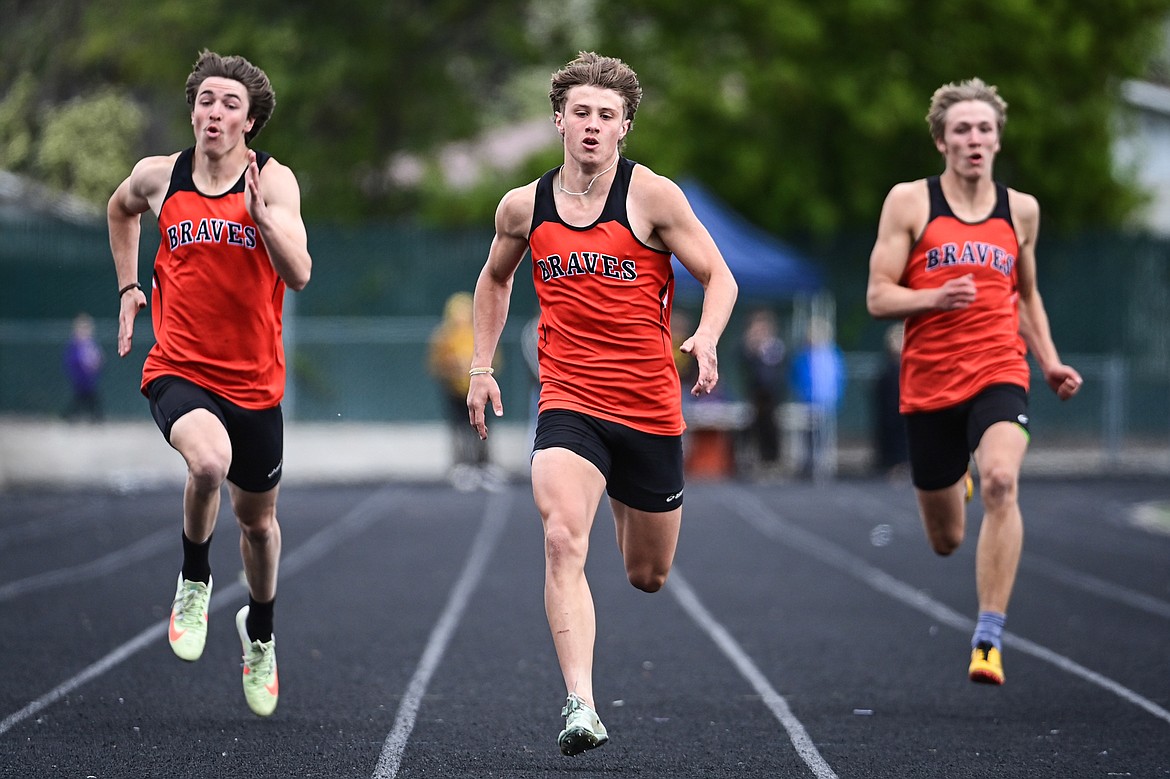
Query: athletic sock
{"x":259,"y":621}
{"x":196,"y":562}
{"x":989,"y":629}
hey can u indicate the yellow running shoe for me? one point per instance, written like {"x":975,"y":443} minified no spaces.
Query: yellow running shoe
{"x":986,"y":664}
{"x":187,"y":630}
{"x":970,"y":485}
{"x":583,"y":729}
{"x":261,"y":682}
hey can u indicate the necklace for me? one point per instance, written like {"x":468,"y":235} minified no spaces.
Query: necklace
{"x":561,"y":180}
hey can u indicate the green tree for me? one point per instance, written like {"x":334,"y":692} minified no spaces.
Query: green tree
{"x":17,"y":128}
{"x":354,"y":83}
{"x":83,"y":148}
{"x":802,"y":114}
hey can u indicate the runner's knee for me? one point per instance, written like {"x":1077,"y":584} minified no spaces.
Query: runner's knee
{"x":945,"y":543}
{"x":945,"y":537}
{"x":208,"y":469}
{"x":259,"y":531}
{"x":564,"y":547}
{"x":998,"y":486}
{"x":647,"y":577}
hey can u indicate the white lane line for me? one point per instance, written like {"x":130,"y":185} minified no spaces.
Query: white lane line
{"x":361,"y":516}
{"x":93,"y":569}
{"x":678,"y":587}
{"x":1095,"y":586}
{"x":42,"y":527}
{"x":123,"y":652}
{"x":853,"y":498}
{"x":768,"y":522}
{"x":495,"y":517}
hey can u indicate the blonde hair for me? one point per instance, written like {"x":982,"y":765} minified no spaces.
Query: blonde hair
{"x":972,"y":89}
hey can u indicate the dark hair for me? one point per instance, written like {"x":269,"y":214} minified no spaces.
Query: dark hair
{"x":261,"y":96}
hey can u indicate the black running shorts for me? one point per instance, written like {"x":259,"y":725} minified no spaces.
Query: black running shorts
{"x":257,"y":437}
{"x":642,"y":470}
{"x":941,"y":442}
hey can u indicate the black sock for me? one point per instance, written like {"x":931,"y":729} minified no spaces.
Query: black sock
{"x":196,"y":565}
{"x":259,"y":621}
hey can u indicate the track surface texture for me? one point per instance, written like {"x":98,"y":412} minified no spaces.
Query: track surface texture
{"x":806,"y":630}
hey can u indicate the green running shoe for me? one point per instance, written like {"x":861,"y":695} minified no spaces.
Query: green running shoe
{"x":583,"y":729}
{"x":261,"y":683}
{"x":187,"y":631}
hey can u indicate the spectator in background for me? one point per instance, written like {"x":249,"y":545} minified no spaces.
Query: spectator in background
{"x":763,"y":353}
{"x":530,"y":349}
{"x":681,"y":327}
{"x":83,"y":365}
{"x":891,"y":453}
{"x":818,"y":381}
{"x":449,"y":358}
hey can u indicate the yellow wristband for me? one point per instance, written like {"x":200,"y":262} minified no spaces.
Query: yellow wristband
{"x":481,"y":371}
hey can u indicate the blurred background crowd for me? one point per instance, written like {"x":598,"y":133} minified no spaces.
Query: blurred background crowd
{"x":785,"y":122}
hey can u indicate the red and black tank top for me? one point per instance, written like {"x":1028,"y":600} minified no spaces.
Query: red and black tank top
{"x":605,"y":300}
{"x":950,"y":356}
{"x":216,"y":300}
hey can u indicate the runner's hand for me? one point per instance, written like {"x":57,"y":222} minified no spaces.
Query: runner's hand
{"x":1064,"y":381}
{"x":483,"y":390}
{"x":133,"y":301}
{"x":703,"y":350}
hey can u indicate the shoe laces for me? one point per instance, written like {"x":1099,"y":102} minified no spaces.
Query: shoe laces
{"x":260,"y":660}
{"x":189,"y":605}
{"x":572,"y":705}
{"x":579,"y":714}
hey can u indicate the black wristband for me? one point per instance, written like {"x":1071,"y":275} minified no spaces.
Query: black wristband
{"x":128,"y":287}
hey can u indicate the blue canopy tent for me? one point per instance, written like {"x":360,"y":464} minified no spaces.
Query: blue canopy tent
{"x":768,"y":272}
{"x":764,"y":267}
